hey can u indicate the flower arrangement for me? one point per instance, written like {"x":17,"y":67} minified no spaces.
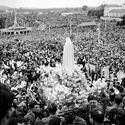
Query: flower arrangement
{"x":58,"y":86}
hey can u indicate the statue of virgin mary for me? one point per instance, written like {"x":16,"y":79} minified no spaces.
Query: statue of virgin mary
{"x":68,"y":57}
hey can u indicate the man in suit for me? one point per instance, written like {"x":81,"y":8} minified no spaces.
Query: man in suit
{"x":53,"y":118}
{"x":6,"y":100}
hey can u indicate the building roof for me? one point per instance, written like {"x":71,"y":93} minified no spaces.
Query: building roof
{"x":65,"y":14}
{"x":113,"y":5}
{"x":111,"y":18}
{"x":118,"y":11}
{"x":13,"y":30}
{"x":87,"y":24}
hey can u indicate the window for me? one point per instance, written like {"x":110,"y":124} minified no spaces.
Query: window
{"x":21,"y":32}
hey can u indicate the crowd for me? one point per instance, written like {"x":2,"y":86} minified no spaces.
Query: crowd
{"x":31,"y":77}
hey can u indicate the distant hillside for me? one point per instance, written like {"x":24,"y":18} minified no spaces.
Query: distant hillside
{"x":55,"y":10}
{"x":4,"y":7}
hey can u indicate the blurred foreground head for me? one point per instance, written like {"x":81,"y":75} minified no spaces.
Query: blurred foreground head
{"x":97,"y":116}
{"x":6,"y":100}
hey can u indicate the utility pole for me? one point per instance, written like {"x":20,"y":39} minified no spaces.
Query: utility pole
{"x":99,"y":33}
{"x":49,"y":29}
{"x":70,"y":26}
{"x":105,"y":24}
{"x":77,"y":27}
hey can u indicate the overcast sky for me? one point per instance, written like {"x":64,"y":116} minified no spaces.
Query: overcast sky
{"x":56,"y":3}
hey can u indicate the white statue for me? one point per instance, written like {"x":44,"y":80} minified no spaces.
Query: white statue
{"x":68,"y":57}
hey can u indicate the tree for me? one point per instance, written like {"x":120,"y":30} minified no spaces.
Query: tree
{"x":30,"y":19}
{"x":121,"y":23}
{"x":95,"y":12}
{"x":123,"y":17}
{"x":85,"y":8}
{"x":123,"y":20}
{"x":2,"y":22}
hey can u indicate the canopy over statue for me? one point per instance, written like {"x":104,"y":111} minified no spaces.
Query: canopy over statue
{"x":68,"y":57}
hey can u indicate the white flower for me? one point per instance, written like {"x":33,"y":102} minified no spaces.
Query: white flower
{"x":59,"y":91}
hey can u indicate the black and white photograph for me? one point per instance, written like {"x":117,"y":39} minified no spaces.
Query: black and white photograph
{"x":62,"y":62}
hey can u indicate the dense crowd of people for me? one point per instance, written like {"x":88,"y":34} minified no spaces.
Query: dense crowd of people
{"x":23,"y":76}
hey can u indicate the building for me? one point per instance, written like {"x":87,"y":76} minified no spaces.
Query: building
{"x":85,"y":13}
{"x":123,"y":6}
{"x":110,"y":7}
{"x":67,"y":14}
{"x":87,"y":24}
{"x":16,"y":29}
{"x":110,"y":18}
{"x":113,"y":10}
{"x":117,"y":13}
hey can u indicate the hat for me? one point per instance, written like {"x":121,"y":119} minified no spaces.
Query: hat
{"x":114,"y":112}
{"x":55,"y":121}
{"x":121,"y":118}
{"x":97,"y":115}
{"x":79,"y":121}
{"x":6,"y":100}
{"x":91,"y":97}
